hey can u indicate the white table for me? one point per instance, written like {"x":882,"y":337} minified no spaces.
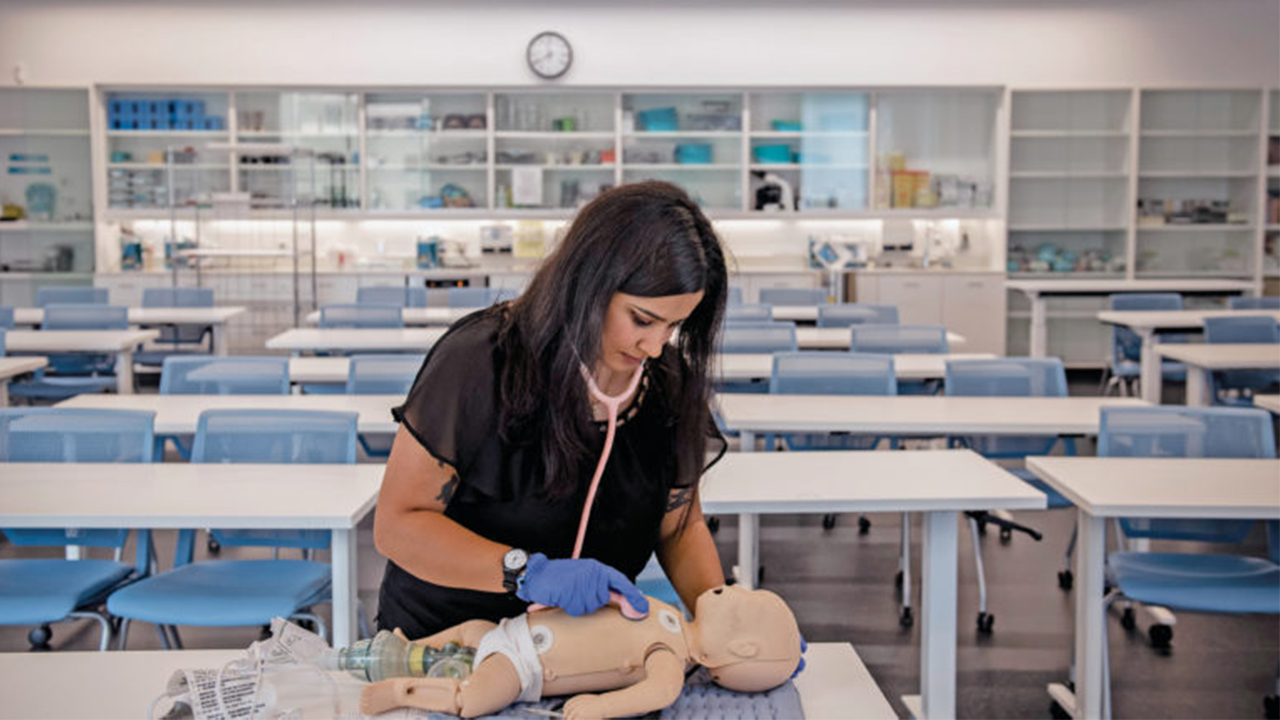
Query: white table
{"x":834,"y":685}
{"x":939,"y":483}
{"x":300,"y":340}
{"x":1038,"y":290}
{"x":13,"y":366}
{"x":829,"y":338}
{"x":1203,"y":359}
{"x":178,"y":414}
{"x":214,"y":317}
{"x":121,"y":343}
{"x":1146,"y":323}
{"x":1102,"y":488}
{"x":418,"y":316}
{"x":795,"y":313}
{"x":1268,"y":402}
{"x":183,"y":495}
{"x":906,"y":366}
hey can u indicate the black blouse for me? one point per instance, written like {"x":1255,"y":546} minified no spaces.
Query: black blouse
{"x":452,"y":410}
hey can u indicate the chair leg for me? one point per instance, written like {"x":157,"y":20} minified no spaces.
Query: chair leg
{"x":906,"y":618}
{"x":1065,"y":578}
{"x":164,"y":637}
{"x":177,"y":639}
{"x":985,"y":619}
{"x":124,"y":634}
{"x":105,"y":641}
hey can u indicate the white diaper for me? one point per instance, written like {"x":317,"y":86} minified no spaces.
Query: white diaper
{"x":513,"y":639}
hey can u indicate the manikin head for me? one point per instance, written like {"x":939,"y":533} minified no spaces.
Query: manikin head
{"x":748,"y":639}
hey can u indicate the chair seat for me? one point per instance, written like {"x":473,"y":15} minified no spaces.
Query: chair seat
{"x":61,"y":387}
{"x":222,"y":593}
{"x":156,"y":357}
{"x":830,"y":441}
{"x":1198,"y":582}
{"x":1169,"y":369}
{"x":34,"y":592}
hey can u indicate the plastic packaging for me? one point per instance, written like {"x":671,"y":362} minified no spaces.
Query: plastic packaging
{"x":388,"y":655}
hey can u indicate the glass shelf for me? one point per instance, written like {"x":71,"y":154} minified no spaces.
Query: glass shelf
{"x":818,"y":142}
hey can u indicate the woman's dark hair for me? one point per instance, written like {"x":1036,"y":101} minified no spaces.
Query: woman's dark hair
{"x":647,"y":239}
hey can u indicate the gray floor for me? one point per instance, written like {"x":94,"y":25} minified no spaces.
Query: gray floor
{"x":840,"y":585}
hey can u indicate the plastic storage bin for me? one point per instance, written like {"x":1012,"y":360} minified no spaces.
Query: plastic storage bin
{"x":772,"y":153}
{"x":693,"y":154}
{"x":663,"y":119}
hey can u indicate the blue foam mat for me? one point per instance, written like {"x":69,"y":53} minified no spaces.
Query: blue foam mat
{"x":696,"y":702}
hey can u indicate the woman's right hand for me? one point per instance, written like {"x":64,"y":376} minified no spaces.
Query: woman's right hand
{"x":579,"y":587}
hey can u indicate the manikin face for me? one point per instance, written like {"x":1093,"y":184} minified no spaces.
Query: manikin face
{"x":636,"y":328}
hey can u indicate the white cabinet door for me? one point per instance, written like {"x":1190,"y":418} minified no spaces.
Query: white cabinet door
{"x":335,"y":289}
{"x":127,"y":289}
{"x":918,"y":297}
{"x":974,"y":306}
{"x":752,"y":283}
{"x":510,"y":281}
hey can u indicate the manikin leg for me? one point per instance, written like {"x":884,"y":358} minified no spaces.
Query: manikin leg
{"x":491,"y":687}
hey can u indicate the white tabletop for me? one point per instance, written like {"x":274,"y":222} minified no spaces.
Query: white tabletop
{"x":177,"y":414}
{"x":916,"y":415}
{"x":54,"y":341}
{"x":1223,"y":356}
{"x":1269,"y":402}
{"x":795,"y":313}
{"x":835,"y":682}
{"x":1174,"y":319}
{"x":316,"y":339}
{"x":11,"y":366}
{"x":819,"y":482}
{"x":1165,"y":487}
{"x":1069,"y":286}
{"x":151,"y":315}
{"x":906,"y":366}
{"x":828,"y":338}
{"x":183,"y":495}
{"x":419,"y":315}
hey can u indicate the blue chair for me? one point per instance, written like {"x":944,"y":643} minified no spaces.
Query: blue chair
{"x":1240,"y":302}
{"x":405,"y":296}
{"x":477,"y":297}
{"x":361,"y":316}
{"x":217,"y":375}
{"x":1194,"y":582}
{"x":735,"y":296}
{"x":75,"y":373}
{"x":223,"y":593}
{"x":60,"y":295}
{"x":1237,"y":387}
{"x":758,"y":337}
{"x":181,"y":339}
{"x":898,"y":338}
{"x":793,"y":296}
{"x":40,"y":592}
{"x":748,"y":313}
{"x":1124,"y":365}
{"x":6,"y":318}
{"x":846,"y":314}
{"x":381,"y":375}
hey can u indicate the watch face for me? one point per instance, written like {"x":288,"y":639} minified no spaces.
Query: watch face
{"x":549,"y":54}
{"x":515,"y":559}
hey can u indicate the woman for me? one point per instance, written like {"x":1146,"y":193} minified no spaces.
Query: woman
{"x":501,"y":433}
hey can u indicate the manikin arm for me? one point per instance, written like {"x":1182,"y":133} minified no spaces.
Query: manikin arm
{"x":664,"y":678}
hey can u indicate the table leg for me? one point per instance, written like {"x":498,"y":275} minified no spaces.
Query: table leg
{"x":4,"y":392}
{"x":1198,"y":387}
{"x":938,"y":615}
{"x":1091,"y":546}
{"x":124,"y":372}
{"x":1039,"y":326}
{"x":748,"y":531}
{"x":1151,"y":377}
{"x":344,"y":587}
{"x":219,"y":339}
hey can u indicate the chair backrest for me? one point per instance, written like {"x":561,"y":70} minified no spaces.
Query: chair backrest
{"x":1186,"y":432}
{"x":1247,"y":329}
{"x":846,"y":314}
{"x":2,"y":334}
{"x":46,"y":434}
{"x":177,"y":297}
{"x":793,"y":296}
{"x":85,"y":316}
{"x":735,"y":296}
{"x":767,"y":337}
{"x":898,"y":338}
{"x":748,"y":313}
{"x":216,"y":375}
{"x":46,"y":296}
{"x":1007,"y":377}
{"x":1125,"y":343}
{"x":405,"y":296}
{"x":477,"y":297}
{"x":361,"y":316}
{"x":382,"y":374}
{"x":1240,"y":302}
{"x":6,"y":317}
{"x":832,"y":373}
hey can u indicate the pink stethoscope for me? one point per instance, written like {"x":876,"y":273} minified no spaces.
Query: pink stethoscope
{"x":613,"y":404}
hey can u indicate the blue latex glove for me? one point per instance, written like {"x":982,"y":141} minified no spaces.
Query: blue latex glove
{"x":800,"y":668}
{"x":579,"y":587}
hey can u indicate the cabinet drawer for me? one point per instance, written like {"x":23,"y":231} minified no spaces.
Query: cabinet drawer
{"x":919,"y":298}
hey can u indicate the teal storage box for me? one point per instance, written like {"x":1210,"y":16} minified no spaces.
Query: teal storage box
{"x":693,"y":154}
{"x":785,"y":125}
{"x":664,"y":119}
{"x":772,"y":153}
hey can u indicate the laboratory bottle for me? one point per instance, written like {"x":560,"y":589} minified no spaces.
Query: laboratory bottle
{"x":388,"y":655}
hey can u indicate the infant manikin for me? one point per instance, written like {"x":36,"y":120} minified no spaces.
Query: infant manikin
{"x":747,"y":639}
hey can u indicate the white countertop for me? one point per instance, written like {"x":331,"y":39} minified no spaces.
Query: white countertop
{"x":1174,"y":319}
{"x":906,"y":366}
{"x":150,"y":315}
{"x":1067,"y":285}
{"x":178,"y":414}
{"x":12,"y":366}
{"x":55,"y":341}
{"x":317,"y":339}
{"x":1224,"y":356}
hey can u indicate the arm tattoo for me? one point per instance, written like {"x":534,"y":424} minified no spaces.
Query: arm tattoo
{"x":446,"y":490}
{"x":679,"y":498}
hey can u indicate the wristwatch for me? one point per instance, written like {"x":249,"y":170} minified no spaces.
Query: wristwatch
{"x":513,"y":564}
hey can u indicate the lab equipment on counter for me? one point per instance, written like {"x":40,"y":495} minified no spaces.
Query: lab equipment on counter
{"x":495,"y":238}
{"x":428,"y":253}
{"x":41,"y":198}
{"x":775,"y":194}
{"x":387,"y":655}
{"x":130,"y":251}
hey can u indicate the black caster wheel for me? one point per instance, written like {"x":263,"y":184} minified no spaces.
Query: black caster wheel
{"x":713,"y":525}
{"x":1065,"y":579}
{"x":760,"y":576}
{"x":1005,"y":535}
{"x":982,"y":527}
{"x":828,"y":521}
{"x":906,"y":618}
{"x":39,"y":638}
{"x":1271,"y":706}
{"x":1161,"y":636}
{"x":213,"y":546}
{"x":1057,"y":712}
{"x":985,"y":621}
{"x":897,"y":580}
{"x":1127,"y":620}
{"x":864,"y":525}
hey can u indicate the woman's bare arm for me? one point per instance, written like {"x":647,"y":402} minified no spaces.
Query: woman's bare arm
{"x":688,"y":557}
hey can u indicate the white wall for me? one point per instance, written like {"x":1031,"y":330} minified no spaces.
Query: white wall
{"x":884,"y":42}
